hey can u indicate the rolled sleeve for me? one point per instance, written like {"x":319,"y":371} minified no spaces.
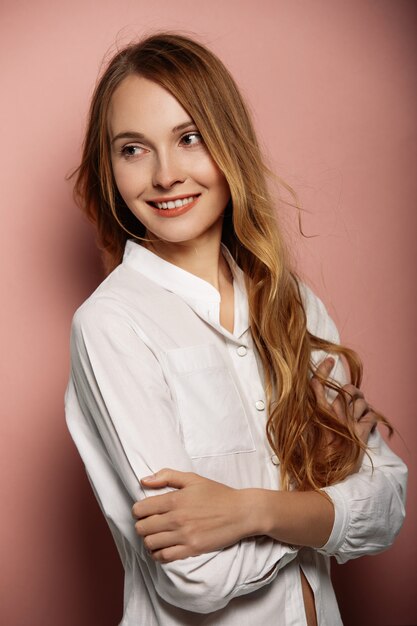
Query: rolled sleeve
{"x":208,"y":582}
{"x":369,"y":505}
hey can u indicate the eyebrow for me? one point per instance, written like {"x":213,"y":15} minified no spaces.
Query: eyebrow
{"x":131,"y":134}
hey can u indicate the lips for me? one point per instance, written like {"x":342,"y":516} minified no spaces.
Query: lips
{"x":173,"y":207}
{"x":166,"y":204}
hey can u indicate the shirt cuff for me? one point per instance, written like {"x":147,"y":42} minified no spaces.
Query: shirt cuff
{"x":341,"y":522}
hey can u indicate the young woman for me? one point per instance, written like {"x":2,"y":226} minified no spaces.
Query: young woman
{"x":201,"y":352}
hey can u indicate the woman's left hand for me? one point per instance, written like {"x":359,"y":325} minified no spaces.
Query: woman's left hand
{"x":363,"y":416}
{"x":201,"y":515}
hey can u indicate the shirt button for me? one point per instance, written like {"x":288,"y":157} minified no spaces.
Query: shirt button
{"x":275,"y":459}
{"x":241,"y":351}
{"x":260,"y":405}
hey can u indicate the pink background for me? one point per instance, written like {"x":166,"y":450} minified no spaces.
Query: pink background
{"x":332,"y":85}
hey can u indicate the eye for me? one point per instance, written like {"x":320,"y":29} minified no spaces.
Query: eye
{"x":192,"y":139}
{"x":130,"y":151}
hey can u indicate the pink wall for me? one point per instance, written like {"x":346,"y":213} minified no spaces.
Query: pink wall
{"x":333,"y":87}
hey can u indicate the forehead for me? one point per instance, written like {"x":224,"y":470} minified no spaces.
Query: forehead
{"x":142,"y":105}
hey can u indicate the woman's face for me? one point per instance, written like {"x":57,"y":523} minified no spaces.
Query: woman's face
{"x":162,"y":168}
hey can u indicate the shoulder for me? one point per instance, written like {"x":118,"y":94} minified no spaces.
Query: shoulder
{"x":111,"y":311}
{"x":102,"y":304}
{"x":104,"y":332}
{"x":319,"y":322}
{"x":122,"y":296}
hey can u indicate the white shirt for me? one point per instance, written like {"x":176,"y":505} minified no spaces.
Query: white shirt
{"x":157,"y":382}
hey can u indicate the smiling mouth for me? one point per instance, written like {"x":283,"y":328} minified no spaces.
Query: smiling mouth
{"x":173,"y":204}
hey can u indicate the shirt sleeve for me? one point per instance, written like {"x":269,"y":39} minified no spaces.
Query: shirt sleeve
{"x":369,"y":505}
{"x":123,"y":421}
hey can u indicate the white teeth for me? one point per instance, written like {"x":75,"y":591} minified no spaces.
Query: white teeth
{"x":174,"y":204}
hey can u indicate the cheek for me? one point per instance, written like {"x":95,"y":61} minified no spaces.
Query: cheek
{"x":128,"y":180}
{"x":210,"y":175}
{"x":119,"y":177}
{"x":222,"y":185}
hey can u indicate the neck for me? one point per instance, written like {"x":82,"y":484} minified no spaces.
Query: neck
{"x":201,"y":257}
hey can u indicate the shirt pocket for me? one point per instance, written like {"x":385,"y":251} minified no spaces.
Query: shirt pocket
{"x":212,"y":414}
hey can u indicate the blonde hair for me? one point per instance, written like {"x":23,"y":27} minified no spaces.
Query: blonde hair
{"x":298,"y":429}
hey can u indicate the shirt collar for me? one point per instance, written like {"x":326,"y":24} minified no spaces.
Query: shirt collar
{"x":202,"y":297}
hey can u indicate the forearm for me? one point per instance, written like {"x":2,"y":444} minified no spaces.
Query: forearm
{"x":352,"y":524}
{"x":302,"y":518}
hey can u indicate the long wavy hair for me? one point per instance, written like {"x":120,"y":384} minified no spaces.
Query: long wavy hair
{"x":299,"y":429}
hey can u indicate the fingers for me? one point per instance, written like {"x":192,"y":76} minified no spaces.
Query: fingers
{"x":173,"y":553}
{"x":167,"y":478}
{"x":160,"y":541}
{"x":322,"y":372}
{"x":364,"y":418}
{"x":352,"y":392}
{"x":154,"y":524}
{"x":363,"y":428}
{"x":156,"y":505}
{"x":358,"y":408}
{"x":366,"y":424}
{"x":355,"y":407}
{"x":166,"y":545}
{"x":325,"y":367}
{"x":356,"y":404}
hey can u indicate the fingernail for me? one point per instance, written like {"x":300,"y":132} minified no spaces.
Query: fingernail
{"x":330,"y":360}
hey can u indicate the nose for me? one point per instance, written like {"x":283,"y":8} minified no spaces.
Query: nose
{"x":167,"y":172}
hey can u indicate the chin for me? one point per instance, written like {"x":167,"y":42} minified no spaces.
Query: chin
{"x":177,"y":233}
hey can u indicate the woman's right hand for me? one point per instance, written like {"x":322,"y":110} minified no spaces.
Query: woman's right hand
{"x":200,"y":516}
{"x":362,"y":413}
